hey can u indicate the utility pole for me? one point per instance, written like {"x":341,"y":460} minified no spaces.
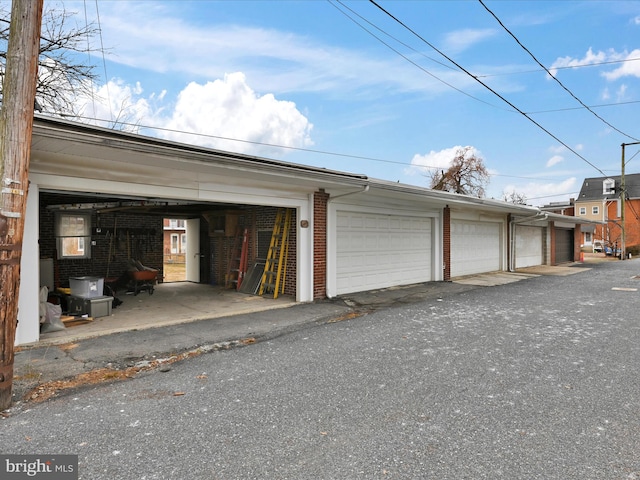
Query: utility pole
{"x":16,"y":125}
{"x":623,"y":193}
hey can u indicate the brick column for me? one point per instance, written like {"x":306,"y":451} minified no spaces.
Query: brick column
{"x":552,"y":240}
{"x":320,"y":200}
{"x":446,"y":242}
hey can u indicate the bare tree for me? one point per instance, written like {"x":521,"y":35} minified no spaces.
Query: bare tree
{"x":63,"y":68}
{"x":467,"y":175}
{"x":514,"y":197}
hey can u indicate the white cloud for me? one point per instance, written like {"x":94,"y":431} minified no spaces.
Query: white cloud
{"x":437,"y":160}
{"x":589,"y":58}
{"x":149,"y":36}
{"x":216,"y":111}
{"x":630,"y":67}
{"x":114,"y":102}
{"x":460,"y":40}
{"x":230,"y":108}
{"x":542,"y":193}
{"x":554,"y":160}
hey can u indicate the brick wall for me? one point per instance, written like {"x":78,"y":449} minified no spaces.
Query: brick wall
{"x":320,"y":200}
{"x":136,"y":236}
{"x":260,"y":221}
{"x":446,"y":242}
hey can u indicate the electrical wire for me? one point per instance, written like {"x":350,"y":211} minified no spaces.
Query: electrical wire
{"x":581,"y":108}
{"x":104,"y":61}
{"x":547,"y":131}
{"x":569,"y":67}
{"x":517,"y":40}
{"x":300,"y":149}
{"x":404,"y":56}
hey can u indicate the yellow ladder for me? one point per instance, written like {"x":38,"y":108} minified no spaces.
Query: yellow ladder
{"x":275,"y":269}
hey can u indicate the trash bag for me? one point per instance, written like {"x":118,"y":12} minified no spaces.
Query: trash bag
{"x":52,"y":322}
{"x":44,"y":294}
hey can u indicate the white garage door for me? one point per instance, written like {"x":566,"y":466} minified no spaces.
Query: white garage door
{"x":528,"y":246}
{"x":378,"y":251}
{"x":475,"y":247}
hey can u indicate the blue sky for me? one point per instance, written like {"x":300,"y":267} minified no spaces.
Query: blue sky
{"x":347,"y":87}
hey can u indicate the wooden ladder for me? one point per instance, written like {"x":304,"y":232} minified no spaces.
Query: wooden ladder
{"x":237,"y":261}
{"x":275,"y":269}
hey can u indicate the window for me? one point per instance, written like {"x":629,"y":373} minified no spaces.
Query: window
{"x":595,"y":210}
{"x":175,"y":246}
{"x":176,"y":224}
{"x":183,"y":243}
{"x":583,"y":211}
{"x":73,"y":235}
{"x":609,"y":186}
{"x":587,"y":237}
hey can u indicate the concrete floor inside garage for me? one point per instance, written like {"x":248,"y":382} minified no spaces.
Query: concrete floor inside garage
{"x":169,"y":304}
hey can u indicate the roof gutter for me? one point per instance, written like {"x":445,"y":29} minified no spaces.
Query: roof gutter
{"x":364,"y":189}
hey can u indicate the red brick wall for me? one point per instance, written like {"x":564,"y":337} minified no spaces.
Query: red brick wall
{"x":446,"y":242}
{"x":320,"y":200}
{"x":577,"y":241}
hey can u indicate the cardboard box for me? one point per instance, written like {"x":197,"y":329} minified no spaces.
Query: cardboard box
{"x":87,"y":287}
{"x":94,"y":307}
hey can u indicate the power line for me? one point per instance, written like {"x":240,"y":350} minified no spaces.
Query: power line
{"x":300,"y":149}
{"x":581,"y":108}
{"x":568,"y":67}
{"x":404,"y":56}
{"x":552,"y":76}
{"x":548,"y":132}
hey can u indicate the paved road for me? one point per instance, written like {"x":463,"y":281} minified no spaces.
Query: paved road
{"x":535,"y":379}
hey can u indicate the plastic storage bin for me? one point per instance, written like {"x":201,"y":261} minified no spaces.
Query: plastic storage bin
{"x":94,"y":307}
{"x":87,"y":287}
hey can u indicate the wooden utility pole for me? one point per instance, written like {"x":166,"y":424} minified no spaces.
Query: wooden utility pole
{"x":623,"y":195}
{"x":16,"y":125}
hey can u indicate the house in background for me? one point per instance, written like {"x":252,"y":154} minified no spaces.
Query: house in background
{"x":175,"y":240}
{"x":599,"y":200}
{"x":561,"y":208}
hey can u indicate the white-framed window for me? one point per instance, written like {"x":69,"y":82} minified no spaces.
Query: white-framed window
{"x":175,"y":245}
{"x":583,"y":211}
{"x":183,"y":242}
{"x":73,"y":235}
{"x":595,"y":210}
{"x":609,"y":186}
{"x":177,"y":224}
{"x":587,"y":237}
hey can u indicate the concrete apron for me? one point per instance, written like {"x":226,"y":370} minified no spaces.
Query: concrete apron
{"x":183,"y":302}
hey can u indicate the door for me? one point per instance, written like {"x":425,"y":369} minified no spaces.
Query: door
{"x":564,"y":245}
{"x":193,"y":254}
{"x":528,"y":246}
{"x":475,"y":247}
{"x":378,"y":251}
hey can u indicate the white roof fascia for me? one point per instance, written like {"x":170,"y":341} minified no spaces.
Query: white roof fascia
{"x":102,"y":137}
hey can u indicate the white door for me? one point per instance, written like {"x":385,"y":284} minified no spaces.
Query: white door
{"x":192,"y":255}
{"x":378,"y":251}
{"x":528,"y":246}
{"x":475,"y":247}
